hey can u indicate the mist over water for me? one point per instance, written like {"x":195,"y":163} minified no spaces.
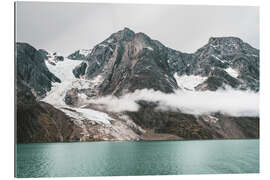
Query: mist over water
{"x":232,"y":102}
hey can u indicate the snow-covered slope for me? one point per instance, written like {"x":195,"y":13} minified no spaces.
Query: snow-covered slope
{"x":63,"y":70}
{"x":88,"y":114}
{"x":96,"y":124}
{"x":56,"y":96}
{"x":188,"y":82}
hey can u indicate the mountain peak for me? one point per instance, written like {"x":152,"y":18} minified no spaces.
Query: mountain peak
{"x":124,"y":34}
{"x":230,"y":45}
{"x":229,"y":39}
{"x":127,"y":30}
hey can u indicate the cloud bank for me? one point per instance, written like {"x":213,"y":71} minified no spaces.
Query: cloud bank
{"x":232,"y":102}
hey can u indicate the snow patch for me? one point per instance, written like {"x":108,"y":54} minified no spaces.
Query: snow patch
{"x":217,"y":58}
{"x":232,"y":72}
{"x":254,"y":55}
{"x":110,"y":40}
{"x":63,"y":70}
{"x":84,"y":52}
{"x":102,"y":45}
{"x":189,"y":82}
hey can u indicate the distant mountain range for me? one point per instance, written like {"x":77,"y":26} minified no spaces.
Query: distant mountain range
{"x":53,"y":92}
{"x":128,"y":61}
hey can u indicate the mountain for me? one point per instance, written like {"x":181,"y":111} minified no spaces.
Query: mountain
{"x":32,"y":70}
{"x":227,"y":61}
{"x":79,"y":54}
{"x":123,"y":63}
{"x":49,"y":117}
{"x":128,"y":61}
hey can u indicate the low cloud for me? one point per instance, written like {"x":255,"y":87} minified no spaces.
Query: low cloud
{"x":232,"y":102}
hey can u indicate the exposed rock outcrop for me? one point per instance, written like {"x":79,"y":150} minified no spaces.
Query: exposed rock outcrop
{"x":79,"y":54}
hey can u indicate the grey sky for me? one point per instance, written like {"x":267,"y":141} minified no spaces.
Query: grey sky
{"x":66,"y":27}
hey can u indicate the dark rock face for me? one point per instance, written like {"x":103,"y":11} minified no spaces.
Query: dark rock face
{"x":44,"y":53}
{"x":130,"y":61}
{"x":41,"y":122}
{"x":31,"y":69}
{"x":187,"y":126}
{"x":59,"y":58}
{"x":71,"y":97}
{"x":80,"y":70}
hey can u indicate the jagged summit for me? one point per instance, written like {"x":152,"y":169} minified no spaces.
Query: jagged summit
{"x":231,"y":45}
{"x":127,"y":30}
{"x":125,"y":34}
{"x":228,"y":38}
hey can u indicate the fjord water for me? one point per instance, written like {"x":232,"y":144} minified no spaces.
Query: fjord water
{"x":137,"y":158}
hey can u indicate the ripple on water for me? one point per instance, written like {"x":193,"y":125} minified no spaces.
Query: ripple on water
{"x":137,"y":158}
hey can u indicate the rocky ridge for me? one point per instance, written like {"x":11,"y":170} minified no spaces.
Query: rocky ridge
{"x":127,"y":58}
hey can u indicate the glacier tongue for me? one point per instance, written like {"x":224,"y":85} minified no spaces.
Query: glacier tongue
{"x":88,"y":114}
{"x":63,"y":70}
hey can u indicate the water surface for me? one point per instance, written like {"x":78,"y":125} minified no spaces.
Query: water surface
{"x":137,"y":158}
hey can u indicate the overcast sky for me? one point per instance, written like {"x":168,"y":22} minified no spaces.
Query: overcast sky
{"x":66,"y":27}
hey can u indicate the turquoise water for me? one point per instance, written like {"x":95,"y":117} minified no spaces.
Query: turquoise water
{"x":137,"y":158}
